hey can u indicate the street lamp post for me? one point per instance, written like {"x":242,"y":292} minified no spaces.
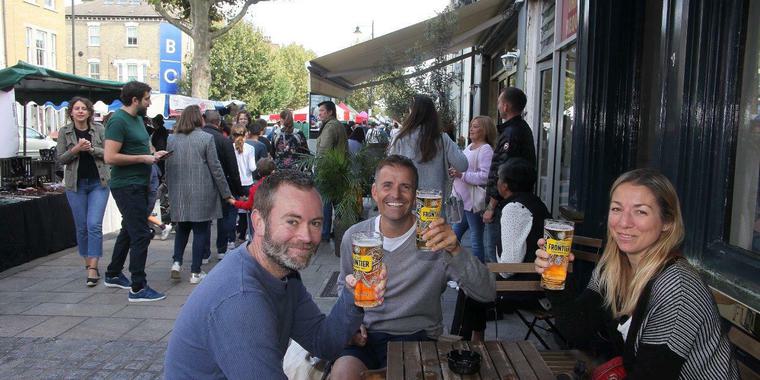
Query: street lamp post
{"x":358,"y":33}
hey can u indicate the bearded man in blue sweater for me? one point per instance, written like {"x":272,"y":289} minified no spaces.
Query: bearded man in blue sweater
{"x":238,"y":322}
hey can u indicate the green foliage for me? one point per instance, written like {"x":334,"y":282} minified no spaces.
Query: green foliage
{"x":246,"y":66}
{"x":219,"y":11}
{"x":292,"y":60}
{"x":344,"y":179}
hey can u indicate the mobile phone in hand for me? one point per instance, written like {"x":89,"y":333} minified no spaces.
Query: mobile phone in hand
{"x":169,"y":153}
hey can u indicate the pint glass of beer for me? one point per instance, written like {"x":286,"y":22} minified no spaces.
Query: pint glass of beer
{"x":428,"y":209}
{"x":559,"y":238}
{"x":367,"y":254}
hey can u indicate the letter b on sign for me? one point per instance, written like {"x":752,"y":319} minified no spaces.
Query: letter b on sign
{"x":171,"y":46}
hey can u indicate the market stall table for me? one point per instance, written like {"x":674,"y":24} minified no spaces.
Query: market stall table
{"x":33,"y":227}
{"x":500,"y":360}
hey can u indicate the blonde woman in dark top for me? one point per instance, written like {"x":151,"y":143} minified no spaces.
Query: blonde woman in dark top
{"x":80,"y":149}
{"x":645,"y":301}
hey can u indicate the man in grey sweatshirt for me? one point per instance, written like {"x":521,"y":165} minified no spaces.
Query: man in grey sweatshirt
{"x":416,"y":279}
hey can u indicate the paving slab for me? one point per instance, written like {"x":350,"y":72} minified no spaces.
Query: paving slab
{"x":153,"y":330}
{"x":154,"y":311}
{"x":82,"y":310}
{"x":10,"y":325}
{"x":102,"y":328}
{"x":52,"y":327}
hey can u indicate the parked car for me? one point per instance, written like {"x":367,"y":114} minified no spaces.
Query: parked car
{"x":34,"y":142}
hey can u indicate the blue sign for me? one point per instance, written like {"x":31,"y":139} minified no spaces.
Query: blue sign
{"x":170,"y":68}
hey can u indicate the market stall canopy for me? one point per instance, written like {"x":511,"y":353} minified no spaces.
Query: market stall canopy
{"x":338,"y":74}
{"x":40,"y":85}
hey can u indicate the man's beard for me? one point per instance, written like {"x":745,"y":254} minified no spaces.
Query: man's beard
{"x":278,"y":252}
{"x":142,"y":111}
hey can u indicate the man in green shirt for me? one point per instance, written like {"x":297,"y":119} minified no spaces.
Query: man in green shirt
{"x":127,"y":150}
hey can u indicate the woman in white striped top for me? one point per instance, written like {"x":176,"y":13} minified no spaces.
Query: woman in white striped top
{"x":644,"y":301}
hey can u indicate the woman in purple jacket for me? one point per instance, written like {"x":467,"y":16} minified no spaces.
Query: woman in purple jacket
{"x":482,"y":138}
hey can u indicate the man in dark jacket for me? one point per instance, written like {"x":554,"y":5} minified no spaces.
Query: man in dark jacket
{"x":515,"y":140}
{"x":225,"y":227}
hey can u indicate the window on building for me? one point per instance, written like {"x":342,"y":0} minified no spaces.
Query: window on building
{"x":134,"y":2}
{"x":93,"y":34}
{"x":131,"y":72}
{"x":50,"y":4}
{"x":41,"y":47}
{"x":547,"y":25}
{"x":94,"y":68}
{"x":131,"y":35}
{"x":745,"y":214}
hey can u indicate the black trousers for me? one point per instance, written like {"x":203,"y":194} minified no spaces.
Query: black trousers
{"x":135,"y":234}
{"x":471,"y":315}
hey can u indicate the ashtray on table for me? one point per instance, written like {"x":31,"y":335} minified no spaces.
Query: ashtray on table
{"x":463,"y":362}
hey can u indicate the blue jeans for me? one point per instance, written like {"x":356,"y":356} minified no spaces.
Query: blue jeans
{"x":225,"y":228}
{"x":153,"y":190}
{"x":473,"y":222}
{"x":327,"y":212}
{"x":134,"y":236}
{"x":201,"y":238}
{"x":492,"y":239}
{"x":88,"y":204}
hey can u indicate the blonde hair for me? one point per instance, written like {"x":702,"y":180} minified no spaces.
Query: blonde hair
{"x":238,"y":137}
{"x":621,"y":287}
{"x":490,"y":128}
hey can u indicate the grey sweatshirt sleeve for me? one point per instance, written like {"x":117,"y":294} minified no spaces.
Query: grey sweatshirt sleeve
{"x":454,"y":155}
{"x":472,"y":275}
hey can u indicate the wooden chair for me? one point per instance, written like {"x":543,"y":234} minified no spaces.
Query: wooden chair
{"x":587,"y":249}
{"x":506,"y":286}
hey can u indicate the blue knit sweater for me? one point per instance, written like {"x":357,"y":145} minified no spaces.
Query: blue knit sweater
{"x":237,"y":324}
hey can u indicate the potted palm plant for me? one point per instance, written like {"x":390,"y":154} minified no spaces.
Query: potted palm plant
{"x":344,"y":180}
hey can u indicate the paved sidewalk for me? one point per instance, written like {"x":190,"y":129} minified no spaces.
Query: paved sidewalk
{"x":52,"y":326}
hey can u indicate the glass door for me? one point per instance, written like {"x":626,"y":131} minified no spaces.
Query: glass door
{"x":565,"y":120}
{"x":546,"y":137}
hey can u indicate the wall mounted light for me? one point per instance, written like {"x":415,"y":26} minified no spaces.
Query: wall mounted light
{"x":509,"y":59}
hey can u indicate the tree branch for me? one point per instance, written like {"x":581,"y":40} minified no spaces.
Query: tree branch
{"x":171,"y":19}
{"x":215,"y":34}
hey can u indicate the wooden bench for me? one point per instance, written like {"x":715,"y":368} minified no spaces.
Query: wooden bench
{"x":747,"y":346}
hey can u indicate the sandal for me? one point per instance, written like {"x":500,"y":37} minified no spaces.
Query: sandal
{"x":92,"y":281}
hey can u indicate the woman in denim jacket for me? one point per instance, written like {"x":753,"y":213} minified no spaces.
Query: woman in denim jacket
{"x":86,"y":175}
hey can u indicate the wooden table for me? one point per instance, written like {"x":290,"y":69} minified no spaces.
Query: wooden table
{"x":500,"y":360}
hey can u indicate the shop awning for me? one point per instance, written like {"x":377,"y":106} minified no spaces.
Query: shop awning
{"x":339,"y":73}
{"x":37,"y":84}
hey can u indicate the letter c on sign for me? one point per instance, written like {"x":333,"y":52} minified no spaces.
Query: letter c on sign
{"x":170,"y":76}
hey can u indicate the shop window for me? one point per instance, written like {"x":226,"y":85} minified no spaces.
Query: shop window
{"x":745,"y":213}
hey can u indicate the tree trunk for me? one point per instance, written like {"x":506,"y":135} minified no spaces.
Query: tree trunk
{"x":201,"y":68}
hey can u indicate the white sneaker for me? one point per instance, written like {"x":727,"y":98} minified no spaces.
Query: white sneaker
{"x":220,"y":255}
{"x":176,"y":268}
{"x":204,"y":262}
{"x":453,"y":285}
{"x":165,"y":232}
{"x":230,"y":245}
{"x":197,"y":277}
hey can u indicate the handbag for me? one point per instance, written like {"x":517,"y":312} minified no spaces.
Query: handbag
{"x":610,"y":370}
{"x":454,"y":204}
{"x":478,"y":194}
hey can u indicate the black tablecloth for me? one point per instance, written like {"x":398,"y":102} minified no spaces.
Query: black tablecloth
{"x":35,"y":228}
